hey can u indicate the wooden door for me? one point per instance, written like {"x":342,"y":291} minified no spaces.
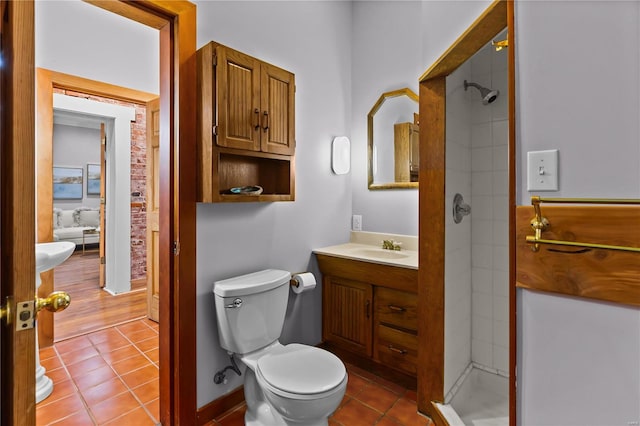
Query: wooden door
{"x":17,"y":215}
{"x":278,"y":110}
{"x":153,"y":208}
{"x":103,"y":200}
{"x":347,"y":312}
{"x":237,"y":99}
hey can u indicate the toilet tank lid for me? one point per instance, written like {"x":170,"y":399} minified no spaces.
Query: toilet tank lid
{"x":253,"y":283}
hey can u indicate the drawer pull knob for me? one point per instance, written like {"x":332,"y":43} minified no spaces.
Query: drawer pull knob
{"x":396,"y":350}
{"x":397,"y":308}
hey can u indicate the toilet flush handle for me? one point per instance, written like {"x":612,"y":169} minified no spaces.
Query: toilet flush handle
{"x":236,"y":304}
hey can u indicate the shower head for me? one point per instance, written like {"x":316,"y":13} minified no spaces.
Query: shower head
{"x":488,"y":95}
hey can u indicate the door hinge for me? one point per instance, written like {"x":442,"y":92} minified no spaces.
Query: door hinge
{"x":102,"y":200}
{"x":214,"y":129}
{"x":176,"y":248}
{"x":103,"y":261}
{"x":25,"y":315}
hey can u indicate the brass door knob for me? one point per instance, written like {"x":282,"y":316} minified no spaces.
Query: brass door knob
{"x":55,"y":302}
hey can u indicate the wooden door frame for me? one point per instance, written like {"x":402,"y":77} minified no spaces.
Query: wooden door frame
{"x":176,"y":22}
{"x":46,"y":82}
{"x":431,"y":303}
{"x":17,"y":209}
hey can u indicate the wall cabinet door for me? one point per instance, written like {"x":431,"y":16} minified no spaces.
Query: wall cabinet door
{"x":255,"y":104}
{"x":347,"y":312}
{"x":238,"y":100}
{"x":278,"y":110}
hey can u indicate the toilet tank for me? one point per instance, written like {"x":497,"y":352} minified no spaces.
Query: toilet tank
{"x":250,"y":309}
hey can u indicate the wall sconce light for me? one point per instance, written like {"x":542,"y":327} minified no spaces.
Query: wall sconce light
{"x":341,"y":155}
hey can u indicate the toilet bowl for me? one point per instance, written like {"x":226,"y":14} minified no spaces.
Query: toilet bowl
{"x":291,"y":384}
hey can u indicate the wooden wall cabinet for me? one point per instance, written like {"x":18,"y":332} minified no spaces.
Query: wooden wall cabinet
{"x":370,"y":310}
{"x":246,"y":126}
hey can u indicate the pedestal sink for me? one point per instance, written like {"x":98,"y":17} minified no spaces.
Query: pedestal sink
{"x":48,"y":256}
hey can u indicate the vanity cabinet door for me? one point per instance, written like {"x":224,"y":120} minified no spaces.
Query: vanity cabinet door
{"x":347,"y":312}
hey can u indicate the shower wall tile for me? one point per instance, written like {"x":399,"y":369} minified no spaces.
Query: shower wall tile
{"x":500,"y":258}
{"x":500,"y":133}
{"x":482,"y":352}
{"x":481,"y":62}
{"x":482,"y":281}
{"x":482,"y":305}
{"x":481,"y":207}
{"x":500,"y":108}
{"x":482,"y":183}
{"x":481,"y":230}
{"x":482,"y":329}
{"x":500,"y":158}
{"x":481,"y":135}
{"x":500,"y":308}
{"x":501,"y":283}
{"x":481,"y":256}
{"x":500,"y":358}
{"x":501,"y":334}
{"x":500,"y":230}
{"x":500,"y":183}
{"x":482,"y":159}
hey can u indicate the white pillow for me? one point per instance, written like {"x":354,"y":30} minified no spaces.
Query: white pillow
{"x":89,"y":218}
{"x":66,"y":219}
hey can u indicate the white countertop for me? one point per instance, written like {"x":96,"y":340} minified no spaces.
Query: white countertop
{"x":367,"y":247}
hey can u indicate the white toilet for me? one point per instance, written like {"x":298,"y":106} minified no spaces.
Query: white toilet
{"x":284,"y":384}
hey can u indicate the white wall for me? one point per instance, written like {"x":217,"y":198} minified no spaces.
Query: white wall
{"x":311,"y":39}
{"x":386,"y":56}
{"x":75,"y":147}
{"x":77,"y":38}
{"x":579,"y":361}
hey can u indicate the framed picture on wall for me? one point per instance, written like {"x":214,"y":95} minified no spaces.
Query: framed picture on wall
{"x":93,"y":179}
{"x":67,"y":183}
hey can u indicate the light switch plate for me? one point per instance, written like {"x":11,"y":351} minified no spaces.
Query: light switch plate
{"x":542,"y":170}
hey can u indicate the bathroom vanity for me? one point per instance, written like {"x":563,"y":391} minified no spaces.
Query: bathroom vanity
{"x":369,"y":297}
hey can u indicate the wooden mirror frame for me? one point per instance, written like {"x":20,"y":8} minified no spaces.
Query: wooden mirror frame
{"x":431,"y":234}
{"x":387,"y":95}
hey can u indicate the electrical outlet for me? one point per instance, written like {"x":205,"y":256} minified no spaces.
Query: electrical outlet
{"x":356,"y":222}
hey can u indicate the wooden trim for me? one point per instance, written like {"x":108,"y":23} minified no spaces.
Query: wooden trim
{"x":431,"y":243}
{"x":491,"y":22}
{"x":513,"y":322}
{"x":177,"y":201}
{"x":220,"y":406}
{"x":605,"y":275}
{"x":46,"y":81}
{"x":432,"y":203}
{"x":17,"y":183}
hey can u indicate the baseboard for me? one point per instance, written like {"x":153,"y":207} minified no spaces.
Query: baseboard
{"x":219,"y":406}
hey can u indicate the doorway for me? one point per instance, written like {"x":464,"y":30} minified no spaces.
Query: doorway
{"x":77,"y":141}
{"x":177,"y":206}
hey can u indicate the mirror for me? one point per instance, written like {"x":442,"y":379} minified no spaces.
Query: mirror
{"x":393,"y":141}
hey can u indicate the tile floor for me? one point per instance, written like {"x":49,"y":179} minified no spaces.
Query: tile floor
{"x":109,"y":377}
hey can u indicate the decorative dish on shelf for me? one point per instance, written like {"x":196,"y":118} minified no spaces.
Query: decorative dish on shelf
{"x":246,"y":190}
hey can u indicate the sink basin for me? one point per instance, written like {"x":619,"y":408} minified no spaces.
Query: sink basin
{"x":379,"y":253}
{"x":50,"y":255}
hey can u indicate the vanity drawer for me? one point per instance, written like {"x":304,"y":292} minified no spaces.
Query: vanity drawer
{"x":397,"y":349}
{"x":397,"y":308}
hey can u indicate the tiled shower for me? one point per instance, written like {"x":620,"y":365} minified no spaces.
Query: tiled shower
{"x":477,"y":252}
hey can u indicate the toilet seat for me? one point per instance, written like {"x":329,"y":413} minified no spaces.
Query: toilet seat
{"x":301,"y":372}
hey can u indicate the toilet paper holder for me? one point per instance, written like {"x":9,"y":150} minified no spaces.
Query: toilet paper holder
{"x":293,"y":282}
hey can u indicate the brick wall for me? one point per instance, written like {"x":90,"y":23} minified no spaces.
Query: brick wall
{"x":138,"y":181}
